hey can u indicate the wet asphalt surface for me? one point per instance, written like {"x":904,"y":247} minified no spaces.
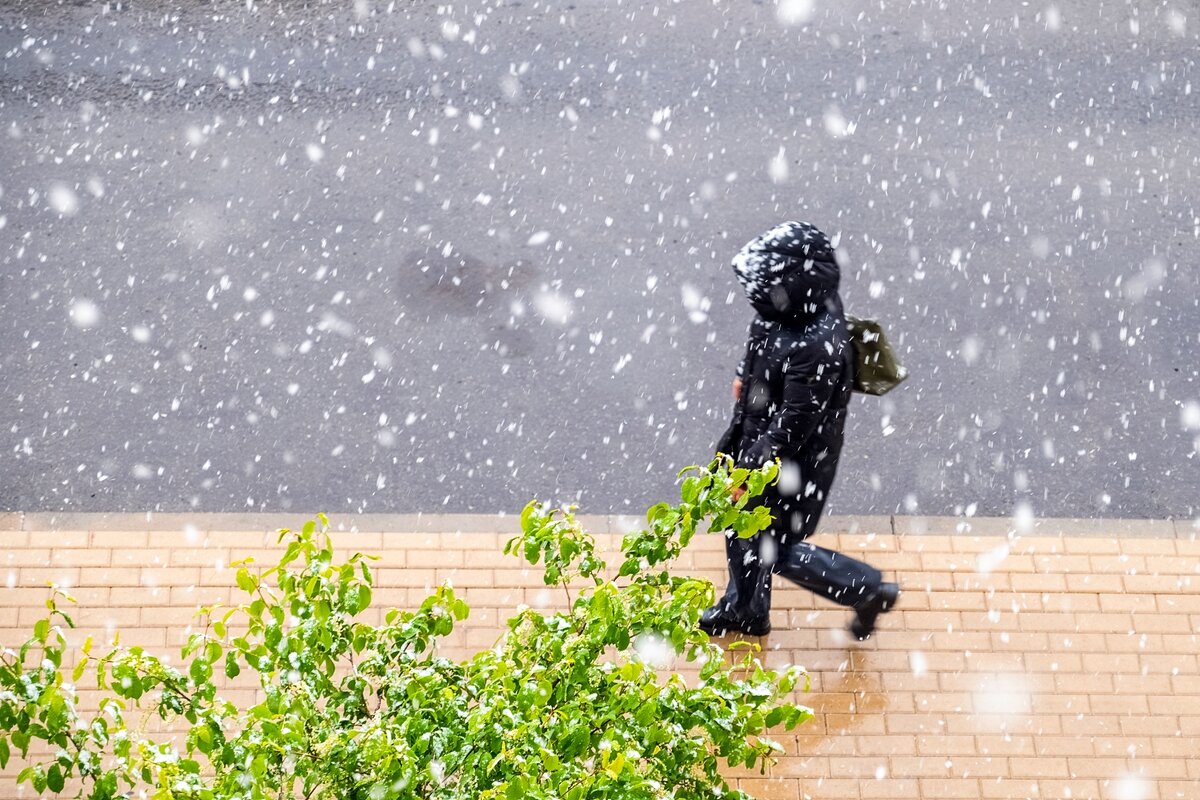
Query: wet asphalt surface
{"x":391,"y":256}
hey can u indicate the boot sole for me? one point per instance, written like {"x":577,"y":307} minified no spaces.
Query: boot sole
{"x":752,"y":630}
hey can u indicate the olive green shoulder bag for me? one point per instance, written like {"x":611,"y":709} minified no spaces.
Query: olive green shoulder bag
{"x":877,"y":370}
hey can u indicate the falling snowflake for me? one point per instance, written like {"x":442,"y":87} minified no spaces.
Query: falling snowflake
{"x":84,"y":313}
{"x":553,"y":307}
{"x":63,"y":199}
{"x":795,"y":12}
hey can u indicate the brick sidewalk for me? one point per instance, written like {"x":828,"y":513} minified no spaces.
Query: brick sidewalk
{"x":1056,"y":665}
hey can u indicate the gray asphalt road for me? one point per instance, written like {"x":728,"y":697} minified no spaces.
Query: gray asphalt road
{"x":399,"y":256}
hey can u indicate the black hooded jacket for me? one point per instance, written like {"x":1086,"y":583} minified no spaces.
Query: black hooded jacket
{"x":798,"y":370}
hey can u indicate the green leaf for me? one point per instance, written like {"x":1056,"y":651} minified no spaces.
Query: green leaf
{"x":290,"y":554}
{"x":797,"y":715}
{"x":568,"y":549}
{"x":655,"y":512}
{"x":204,"y":739}
{"x":533,"y":551}
{"x":527,"y":514}
{"x":245,"y":581}
{"x":360,"y":599}
{"x":54,"y":779}
{"x":614,"y":767}
{"x":4,"y":752}
{"x":200,"y":671}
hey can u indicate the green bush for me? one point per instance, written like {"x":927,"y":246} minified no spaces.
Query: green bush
{"x":568,"y":705}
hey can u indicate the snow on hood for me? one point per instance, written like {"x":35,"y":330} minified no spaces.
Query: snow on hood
{"x":789,"y":273}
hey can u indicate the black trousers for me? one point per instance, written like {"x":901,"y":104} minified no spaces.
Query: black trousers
{"x":783,"y":550}
{"x":752,"y":563}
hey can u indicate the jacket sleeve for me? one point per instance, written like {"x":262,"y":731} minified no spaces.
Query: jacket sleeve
{"x":809,"y":384}
{"x":744,"y":365}
{"x":756,"y":337}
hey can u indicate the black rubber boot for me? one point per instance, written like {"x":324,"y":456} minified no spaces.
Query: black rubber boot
{"x":877,"y":602}
{"x":719,"y":621}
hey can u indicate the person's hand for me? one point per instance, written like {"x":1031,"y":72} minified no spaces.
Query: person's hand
{"x":737,"y":389}
{"x":737,"y":492}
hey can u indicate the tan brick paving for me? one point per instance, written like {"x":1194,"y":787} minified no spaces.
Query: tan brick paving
{"x":1057,"y":665}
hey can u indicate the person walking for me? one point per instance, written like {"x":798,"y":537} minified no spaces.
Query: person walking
{"x":791,"y":395}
